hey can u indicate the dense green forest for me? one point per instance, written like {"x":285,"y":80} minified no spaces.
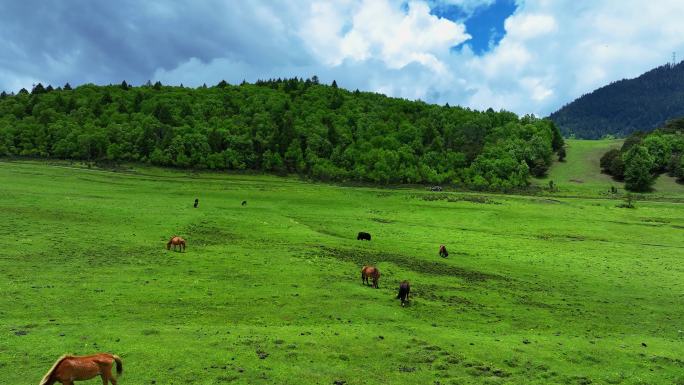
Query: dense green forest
{"x":280,"y":126}
{"x":644,"y":156}
{"x":626,"y":106}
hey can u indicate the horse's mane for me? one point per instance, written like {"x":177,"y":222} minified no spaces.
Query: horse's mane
{"x":46,"y":378}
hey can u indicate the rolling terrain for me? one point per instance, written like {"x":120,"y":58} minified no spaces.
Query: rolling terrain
{"x":581,"y":175}
{"x":565,"y":289}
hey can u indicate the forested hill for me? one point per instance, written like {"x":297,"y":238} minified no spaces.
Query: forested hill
{"x":281,"y":126}
{"x":626,"y":106}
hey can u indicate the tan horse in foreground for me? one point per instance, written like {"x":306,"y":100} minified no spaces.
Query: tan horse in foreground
{"x":176,"y":241}
{"x":68,"y":369}
{"x":370,"y":272}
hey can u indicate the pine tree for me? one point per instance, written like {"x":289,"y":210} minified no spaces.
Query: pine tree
{"x":38,"y":89}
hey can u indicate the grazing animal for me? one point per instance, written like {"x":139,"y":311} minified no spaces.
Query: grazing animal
{"x":404,"y":290}
{"x":68,"y":369}
{"x":244,"y":203}
{"x":370,"y":272}
{"x":363,"y":236}
{"x":196,"y":202}
{"x":436,"y":188}
{"x":176,"y":241}
{"x":443,"y":251}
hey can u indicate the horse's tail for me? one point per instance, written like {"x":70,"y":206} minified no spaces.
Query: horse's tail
{"x":119,"y":364}
{"x":48,"y":375}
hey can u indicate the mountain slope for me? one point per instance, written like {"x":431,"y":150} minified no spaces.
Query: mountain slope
{"x":626,"y":106}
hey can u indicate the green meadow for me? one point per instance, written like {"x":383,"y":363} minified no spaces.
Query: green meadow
{"x":561,"y":287}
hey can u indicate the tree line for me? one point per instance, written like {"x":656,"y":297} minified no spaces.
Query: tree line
{"x":281,"y":126}
{"x":644,"y":156}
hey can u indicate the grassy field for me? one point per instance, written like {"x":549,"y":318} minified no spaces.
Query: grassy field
{"x":581,"y":174}
{"x":536,"y":290}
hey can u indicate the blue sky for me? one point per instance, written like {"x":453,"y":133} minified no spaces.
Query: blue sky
{"x":485,"y":23}
{"x":526,"y":56}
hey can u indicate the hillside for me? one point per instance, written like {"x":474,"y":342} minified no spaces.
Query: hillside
{"x":290,"y":126}
{"x":534,"y":291}
{"x":625,"y":106}
{"x":581,"y":171}
{"x":644,"y":156}
{"x":581,"y":174}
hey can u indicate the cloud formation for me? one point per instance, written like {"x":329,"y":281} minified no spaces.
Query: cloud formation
{"x":551,"y":53}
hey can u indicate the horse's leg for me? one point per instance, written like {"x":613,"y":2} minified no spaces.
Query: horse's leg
{"x":107,"y":375}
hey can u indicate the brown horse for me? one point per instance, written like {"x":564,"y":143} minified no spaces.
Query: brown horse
{"x":372,"y":272}
{"x":68,"y":369}
{"x":443,"y":251}
{"x":404,"y":290}
{"x":176,"y":241}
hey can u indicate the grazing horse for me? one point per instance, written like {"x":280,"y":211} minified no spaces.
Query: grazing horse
{"x":373,"y":273}
{"x":176,"y":241}
{"x":404,"y":290}
{"x":244,"y":203}
{"x":363,"y":236}
{"x":443,"y":251}
{"x":196,"y":202}
{"x":68,"y":369}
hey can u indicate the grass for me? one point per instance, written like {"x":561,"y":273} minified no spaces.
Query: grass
{"x":581,"y":174}
{"x":536,"y":290}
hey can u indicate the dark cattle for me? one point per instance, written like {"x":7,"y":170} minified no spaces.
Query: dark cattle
{"x":196,"y":202}
{"x":404,"y":290}
{"x":363,"y":236}
{"x":443,"y":251}
{"x":436,"y":188}
{"x":244,"y":203}
{"x":370,"y":272}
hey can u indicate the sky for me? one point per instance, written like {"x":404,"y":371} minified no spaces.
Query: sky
{"x":525,"y":56}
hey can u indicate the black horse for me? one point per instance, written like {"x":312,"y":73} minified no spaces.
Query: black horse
{"x":244,"y":203}
{"x":404,"y":290}
{"x":363,"y":236}
{"x":196,"y":202}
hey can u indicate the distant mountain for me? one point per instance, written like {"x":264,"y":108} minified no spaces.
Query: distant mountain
{"x":626,"y":106}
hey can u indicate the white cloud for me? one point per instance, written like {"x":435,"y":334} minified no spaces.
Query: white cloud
{"x":380,"y":29}
{"x":528,"y":26}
